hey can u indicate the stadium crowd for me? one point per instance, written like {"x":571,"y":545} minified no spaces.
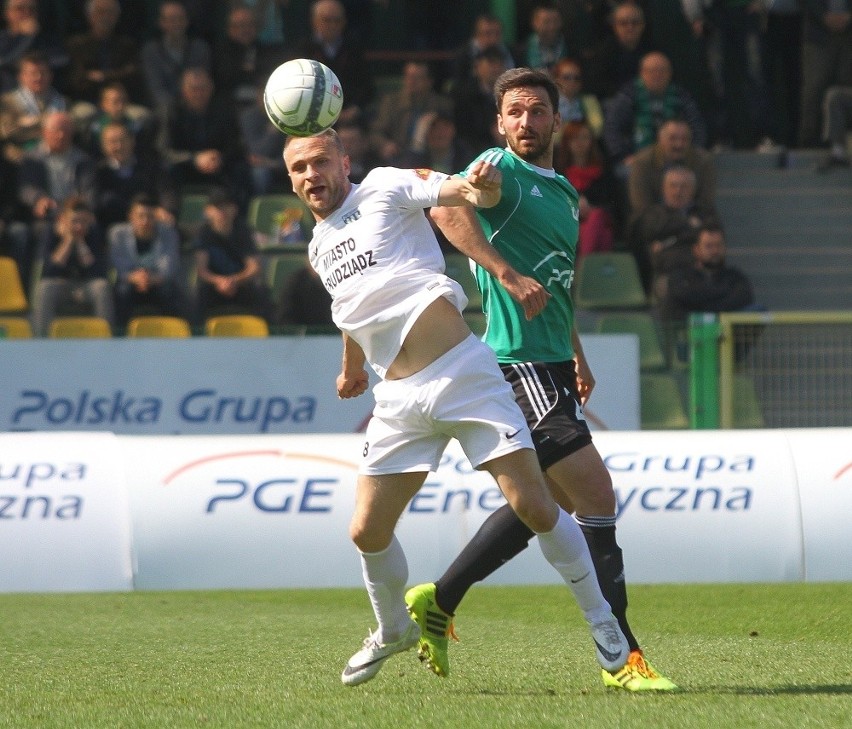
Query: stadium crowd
{"x":114,"y":113}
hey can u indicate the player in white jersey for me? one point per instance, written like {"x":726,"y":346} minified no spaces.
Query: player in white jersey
{"x":378,"y":257}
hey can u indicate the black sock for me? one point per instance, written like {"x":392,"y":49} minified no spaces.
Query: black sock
{"x":501,"y":536}
{"x":609,"y":565}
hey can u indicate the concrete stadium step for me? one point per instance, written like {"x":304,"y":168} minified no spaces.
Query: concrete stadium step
{"x":789,"y":227}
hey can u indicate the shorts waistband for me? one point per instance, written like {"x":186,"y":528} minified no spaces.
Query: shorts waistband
{"x":436,"y":368}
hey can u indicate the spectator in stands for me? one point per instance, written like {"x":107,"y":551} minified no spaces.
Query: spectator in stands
{"x":574,"y":105}
{"x":303,"y":300}
{"x":229,"y":270}
{"x":8,"y":204}
{"x":706,"y":282}
{"x":673,"y":147}
{"x":614,"y":61}
{"x":265,"y":147}
{"x":546,"y":43}
{"x":473,"y":100}
{"x":166,"y":57}
{"x":75,"y":267}
{"x":736,"y":64}
{"x":241,"y":63}
{"x":838,"y":124}
{"x":23,"y":34}
{"x":826,"y":61}
{"x":145,"y":253}
{"x":270,"y":23}
{"x":581,"y":160}
{"x":487,"y":31}
{"x":362,"y":158}
{"x":633,"y":116}
{"x":662,"y":236}
{"x":22,"y":110}
{"x":392,"y":129}
{"x":114,"y":108}
{"x":49,"y":175}
{"x":436,"y":146}
{"x":122,"y":174}
{"x":101,"y":56}
{"x":782,"y":68}
{"x":199,"y":139}
{"x":342,"y":53}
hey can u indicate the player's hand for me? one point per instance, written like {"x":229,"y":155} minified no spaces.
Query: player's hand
{"x":585,"y":380}
{"x":528,"y":292}
{"x":487,"y":179}
{"x":352,"y":385}
{"x":485,"y":176}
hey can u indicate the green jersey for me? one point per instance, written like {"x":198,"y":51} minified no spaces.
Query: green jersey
{"x":534,"y":227}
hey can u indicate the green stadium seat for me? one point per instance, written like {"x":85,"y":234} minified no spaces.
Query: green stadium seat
{"x":265,"y":213}
{"x":191,"y":213}
{"x":280,"y":266}
{"x":609,"y":281}
{"x":476,"y":321}
{"x":747,"y":410}
{"x":458,"y":268}
{"x":661,"y":402}
{"x":651,"y":355}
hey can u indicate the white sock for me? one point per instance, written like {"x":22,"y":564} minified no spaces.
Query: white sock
{"x":385,"y":574}
{"x":566,"y":549}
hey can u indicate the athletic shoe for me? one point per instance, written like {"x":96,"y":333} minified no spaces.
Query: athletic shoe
{"x":366,"y":663}
{"x":610,"y":644}
{"x":435,"y":627}
{"x":637,"y":675}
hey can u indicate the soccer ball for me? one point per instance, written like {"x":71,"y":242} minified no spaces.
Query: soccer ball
{"x":303,"y":97}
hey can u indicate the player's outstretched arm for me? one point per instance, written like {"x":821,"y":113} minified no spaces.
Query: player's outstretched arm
{"x":481,"y":187}
{"x":463,"y":230}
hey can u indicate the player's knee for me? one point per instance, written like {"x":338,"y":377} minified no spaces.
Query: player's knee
{"x":368,"y":539}
{"x":538,"y":512}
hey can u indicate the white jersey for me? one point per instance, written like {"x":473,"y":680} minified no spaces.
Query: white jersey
{"x":379,"y":259}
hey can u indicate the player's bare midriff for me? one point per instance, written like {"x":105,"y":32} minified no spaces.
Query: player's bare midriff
{"x":437,"y":330}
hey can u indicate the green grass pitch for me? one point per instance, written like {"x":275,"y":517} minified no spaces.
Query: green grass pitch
{"x":767,"y":655}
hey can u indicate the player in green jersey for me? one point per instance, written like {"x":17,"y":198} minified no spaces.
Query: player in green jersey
{"x":525,"y":284}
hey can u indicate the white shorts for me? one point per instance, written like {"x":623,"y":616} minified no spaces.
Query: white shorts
{"x":461,"y":395}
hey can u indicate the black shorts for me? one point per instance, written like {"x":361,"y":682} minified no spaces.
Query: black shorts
{"x":547,"y":395}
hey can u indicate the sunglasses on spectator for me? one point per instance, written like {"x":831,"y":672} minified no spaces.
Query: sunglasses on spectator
{"x":570,"y":77}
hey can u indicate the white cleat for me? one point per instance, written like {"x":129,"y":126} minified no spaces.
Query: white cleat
{"x":367,"y":662}
{"x":610,"y":644}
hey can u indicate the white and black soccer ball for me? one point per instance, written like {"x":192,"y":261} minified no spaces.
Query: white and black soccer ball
{"x":303,"y":97}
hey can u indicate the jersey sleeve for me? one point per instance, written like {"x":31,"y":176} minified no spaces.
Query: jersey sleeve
{"x":409,"y":188}
{"x":494,"y":156}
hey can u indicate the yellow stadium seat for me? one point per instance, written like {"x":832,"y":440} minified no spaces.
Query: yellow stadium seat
{"x":13,"y":298}
{"x":79,"y":327}
{"x":158,"y":326}
{"x":236,"y":325}
{"x":15,"y":327}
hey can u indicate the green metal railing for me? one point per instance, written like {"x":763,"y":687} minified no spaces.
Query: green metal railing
{"x":771,"y":369}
